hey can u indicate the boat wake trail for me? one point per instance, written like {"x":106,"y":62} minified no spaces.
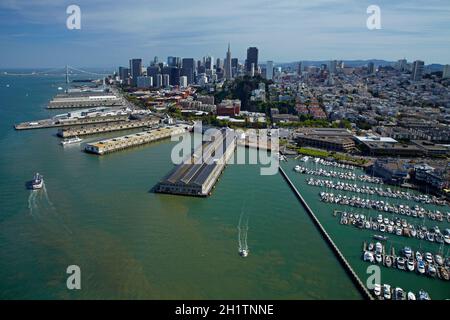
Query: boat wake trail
{"x":39,"y":202}
{"x":243,"y":232}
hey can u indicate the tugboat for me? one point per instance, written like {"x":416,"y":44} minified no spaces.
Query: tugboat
{"x":37,"y":182}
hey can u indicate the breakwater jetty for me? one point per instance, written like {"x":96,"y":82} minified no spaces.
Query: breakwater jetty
{"x":356,"y":280}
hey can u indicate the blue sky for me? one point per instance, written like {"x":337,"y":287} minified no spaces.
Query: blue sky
{"x":33,"y":33}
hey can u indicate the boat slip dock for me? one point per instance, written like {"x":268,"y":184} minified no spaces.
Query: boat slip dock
{"x":198,"y":176}
{"x":132,"y":140}
{"x":106,"y":127}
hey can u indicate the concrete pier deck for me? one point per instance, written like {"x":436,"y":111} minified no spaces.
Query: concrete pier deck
{"x":106,"y":127}
{"x":132,"y":140}
{"x":199,"y":174}
{"x":84,"y":100}
{"x":51,"y":123}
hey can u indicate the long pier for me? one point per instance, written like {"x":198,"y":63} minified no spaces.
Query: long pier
{"x":132,"y":140}
{"x":106,"y":127}
{"x":51,"y":123}
{"x":356,"y":280}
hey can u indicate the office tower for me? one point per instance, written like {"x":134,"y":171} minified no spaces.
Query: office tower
{"x":228,"y":73}
{"x":417,"y":70}
{"x":152,"y":71}
{"x":252,"y":58}
{"x":135,"y":70}
{"x":144,"y":82}
{"x":173,"y":73}
{"x":188,"y":68}
{"x":371,"y":68}
{"x":159,"y":80}
{"x":333,"y":66}
{"x":300,"y":68}
{"x":446,"y":72}
{"x":155,"y":61}
{"x":402,"y":64}
{"x":218,"y":63}
{"x":183,"y":82}
{"x":123,"y":73}
{"x":252,"y":70}
{"x":166,"y":80}
{"x":209,"y":63}
{"x":173,"y":61}
{"x":269,"y":70}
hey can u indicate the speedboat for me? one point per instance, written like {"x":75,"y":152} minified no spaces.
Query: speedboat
{"x":407,"y":252}
{"x":378,"y":258}
{"x":243,"y":252}
{"x":297,"y":168}
{"x":418,"y":256}
{"x":378,"y":247}
{"x":431,"y":270}
{"x":387,"y":291}
{"x":411,"y":296}
{"x":410,"y":264}
{"x":439,"y":260}
{"x":388,"y":261}
{"x":401,"y":263}
{"x":428,"y":257}
{"x":423,"y":295}
{"x":370,"y":248}
{"x":399,"y":294}
{"x":377,"y":289}
{"x":421,"y":267}
{"x":379,"y":237}
{"x":37,"y":182}
{"x":71,"y":141}
{"x":368,"y":256}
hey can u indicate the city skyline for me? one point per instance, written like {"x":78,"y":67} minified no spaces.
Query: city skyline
{"x":37,"y":35}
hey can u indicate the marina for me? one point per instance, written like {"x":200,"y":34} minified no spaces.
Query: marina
{"x":345,"y":175}
{"x":132,"y":140}
{"x":374,"y":190}
{"x":422,"y":263}
{"x":380,"y":205}
{"x":397,"y":226}
{"x":199,"y":173}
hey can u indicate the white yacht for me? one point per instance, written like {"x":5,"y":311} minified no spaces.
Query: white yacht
{"x":37,"y":182}
{"x":243,"y":252}
{"x":71,"y":141}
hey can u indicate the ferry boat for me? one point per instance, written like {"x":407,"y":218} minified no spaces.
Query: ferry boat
{"x":243,"y":252}
{"x":37,"y":182}
{"x":71,"y":141}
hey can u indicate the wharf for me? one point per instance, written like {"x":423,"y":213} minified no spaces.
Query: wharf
{"x":51,"y":123}
{"x":199,"y":173}
{"x":106,"y":127}
{"x":132,"y":140}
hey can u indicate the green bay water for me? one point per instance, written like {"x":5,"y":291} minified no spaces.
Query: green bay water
{"x":350,"y":239}
{"x":99,"y":213}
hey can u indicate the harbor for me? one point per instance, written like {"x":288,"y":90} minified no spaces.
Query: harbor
{"x":132,"y":140}
{"x":397,"y":217}
{"x":198,"y":174}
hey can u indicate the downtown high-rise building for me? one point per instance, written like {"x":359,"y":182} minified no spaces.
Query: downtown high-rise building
{"x":174,"y":61}
{"x":124,"y":73}
{"x":371,"y":67}
{"x":209,"y":63}
{"x":252,"y":59}
{"x":300,"y":68}
{"x":333,"y":66}
{"x":135,"y":70}
{"x":188,"y":69}
{"x":228,"y":73}
{"x":269,"y":70}
{"x":417,"y":70}
{"x":446,"y":72}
